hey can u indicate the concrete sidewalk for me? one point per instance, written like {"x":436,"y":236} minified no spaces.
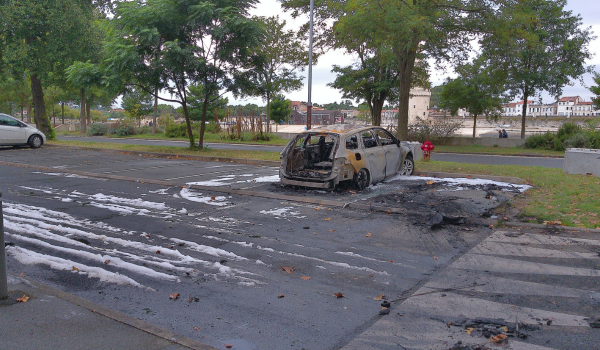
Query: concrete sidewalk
{"x":51,"y":319}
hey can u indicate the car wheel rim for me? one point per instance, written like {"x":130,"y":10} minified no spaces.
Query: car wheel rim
{"x":36,"y":141}
{"x":361,"y":180}
{"x":407,"y":168}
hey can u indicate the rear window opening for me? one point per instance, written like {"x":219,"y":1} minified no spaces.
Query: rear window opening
{"x":311,"y":156}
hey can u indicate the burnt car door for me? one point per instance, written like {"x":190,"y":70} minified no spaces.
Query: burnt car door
{"x":393,"y":153}
{"x":374,"y":156}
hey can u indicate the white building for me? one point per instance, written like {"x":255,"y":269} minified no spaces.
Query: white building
{"x":514,"y":109}
{"x":576,"y":106}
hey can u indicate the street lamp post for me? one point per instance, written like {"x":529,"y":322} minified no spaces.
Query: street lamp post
{"x":3,"y":280}
{"x":310,"y":49}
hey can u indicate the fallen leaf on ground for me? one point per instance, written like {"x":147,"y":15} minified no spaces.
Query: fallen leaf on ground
{"x":196,"y":328}
{"x":228,"y":346}
{"x":281,"y":296}
{"x":498,"y":338}
{"x":469,"y":330}
{"x":107,"y":261}
{"x":392,"y":261}
{"x":329,"y":209}
{"x":317,"y":208}
{"x":23,"y":299}
{"x":368,"y":234}
{"x":158,"y":252}
{"x":174,"y":296}
{"x":314,"y":233}
{"x":331,"y":230}
{"x":430,"y":182}
{"x":469,"y":177}
{"x":388,"y":211}
{"x":213,"y":198}
{"x":181,"y":244}
{"x":22,"y":274}
{"x":287,"y":269}
{"x":75,"y":269}
{"x":380,"y":297}
{"x":306,"y":278}
{"x":328,"y":219}
{"x":338,"y":295}
{"x":435,"y":257}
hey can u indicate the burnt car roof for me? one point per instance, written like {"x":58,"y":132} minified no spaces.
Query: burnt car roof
{"x":341,"y":129}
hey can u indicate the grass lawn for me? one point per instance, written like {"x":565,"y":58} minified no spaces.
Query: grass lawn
{"x":208,"y":152}
{"x":208,"y":137}
{"x":507,"y":151}
{"x":571,"y":199}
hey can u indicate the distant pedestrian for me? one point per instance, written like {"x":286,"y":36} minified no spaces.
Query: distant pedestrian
{"x":500,"y":134}
{"x":504,"y":134}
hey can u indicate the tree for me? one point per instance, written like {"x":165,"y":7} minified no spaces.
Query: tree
{"x":477,"y":90}
{"x":280,"y":109}
{"x":596,"y":90}
{"x":412,"y":31}
{"x":137,"y":104}
{"x":40,"y":37}
{"x":175,"y":44}
{"x":277,"y":58}
{"x":369,"y":80}
{"x":542,"y":48}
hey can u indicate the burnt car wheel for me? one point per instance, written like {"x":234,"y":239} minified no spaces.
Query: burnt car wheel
{"x":361,"y":179}
{"x":408,"y":167}
{"x":35,"y":141}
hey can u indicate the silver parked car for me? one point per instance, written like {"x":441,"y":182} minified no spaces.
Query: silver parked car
{"x":323,"y":157}
{"x":14,"y":132}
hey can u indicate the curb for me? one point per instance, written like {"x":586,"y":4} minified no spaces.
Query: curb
{"x":553,"y":227}
{"x":531,"y":155}
{"x":509,"y":179}
{"x":122,"y":318}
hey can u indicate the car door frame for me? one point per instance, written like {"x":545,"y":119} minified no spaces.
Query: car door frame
{"x":374,"y":157}
{"x":393,"y":153}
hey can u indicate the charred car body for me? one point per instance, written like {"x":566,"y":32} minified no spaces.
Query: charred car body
{"x":325,"y":156}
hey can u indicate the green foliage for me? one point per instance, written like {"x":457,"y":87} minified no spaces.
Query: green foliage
{"x":569,"y":135}
{"x":97,"y":130}
{"x":596,"y":90}
{"x":280,"y":109}
{"x":346,"y":104}
{"x":176,"y":130}
{"x":476,"y":89}
{"x":213,"y":128}
{"x":436,"y":131}
{"x":538,"y":46}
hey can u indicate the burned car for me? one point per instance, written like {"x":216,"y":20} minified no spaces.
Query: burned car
{"x":325,"y":156}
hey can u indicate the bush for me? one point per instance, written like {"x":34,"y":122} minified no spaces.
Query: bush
{"x":176,"y":130}
{"x":542,"y":141}
{"x":97,"y":130}
{"x":121,"y":129}
{"x":143,"y":130}
{"x":580,"y":140}
{"x":437,"y":131}
{"x":212,"y":128}
{"x":567,"y":130}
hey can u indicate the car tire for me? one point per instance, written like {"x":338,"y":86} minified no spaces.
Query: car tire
{"x":361,"y":179}
{"x":35,"y":141}
{"x":408,"y":166}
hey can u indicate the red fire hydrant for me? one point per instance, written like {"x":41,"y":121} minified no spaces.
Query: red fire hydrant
{"x":427,"y":147}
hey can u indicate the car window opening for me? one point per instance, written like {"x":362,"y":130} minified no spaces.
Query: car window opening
{"x":312,"y":156}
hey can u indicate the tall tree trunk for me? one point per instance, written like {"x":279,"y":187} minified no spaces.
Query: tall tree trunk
{"x":62,"y":113}
{"x":88,"y":112}
{"x":82,"y":126}
{"x":155,"y":111}
{"x":268,"y":113}
{"x":37,"y":93}
{"x":474,"y":124}
{"x":22,"y":112}
{"x":29,"y":113}
{"x":203,"y":120}
{"x":376,"y":108}
{"x":524,"y":113}
{"x":189,"y":125}
{"x":406,"y":66}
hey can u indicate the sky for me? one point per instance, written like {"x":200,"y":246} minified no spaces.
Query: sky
{"x":322,"y":94}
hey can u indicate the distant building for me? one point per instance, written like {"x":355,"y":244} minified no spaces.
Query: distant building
{"x":318,"y":117}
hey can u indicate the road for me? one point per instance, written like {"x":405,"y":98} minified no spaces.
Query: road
{"x":262,"y":273}
{"x":445,"y":157}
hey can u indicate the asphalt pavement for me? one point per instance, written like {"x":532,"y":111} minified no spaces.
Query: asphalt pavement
{"x":545,"y":162}
{"x":247,"y":272}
